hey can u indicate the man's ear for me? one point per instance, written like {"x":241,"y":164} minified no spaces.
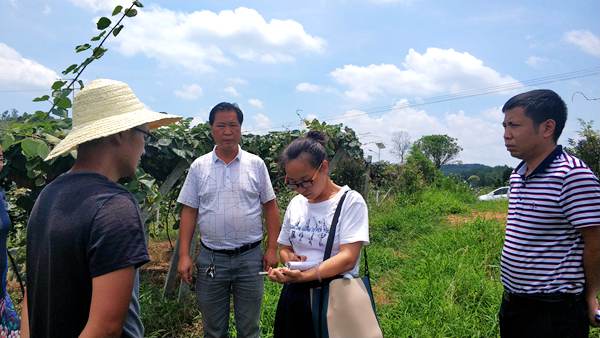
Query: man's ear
{"x":118,"y":138}
{"x":548,"y":128}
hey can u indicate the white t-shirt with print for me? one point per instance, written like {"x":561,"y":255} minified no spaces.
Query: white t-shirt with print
{"x":306,"y":225}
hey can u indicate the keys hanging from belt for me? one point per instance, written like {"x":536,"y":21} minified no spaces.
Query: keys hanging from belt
{"x":210,"y":272}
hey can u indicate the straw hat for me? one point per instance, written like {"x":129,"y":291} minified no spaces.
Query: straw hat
{"x":106,"y":107}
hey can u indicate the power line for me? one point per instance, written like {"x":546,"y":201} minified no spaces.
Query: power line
{"x":462,"y":94}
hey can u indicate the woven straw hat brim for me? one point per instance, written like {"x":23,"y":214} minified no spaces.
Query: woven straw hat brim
{"x":109,"y":126}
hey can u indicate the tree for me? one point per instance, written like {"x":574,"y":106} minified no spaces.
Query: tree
{"x":587,"y":146}
{"x":440,"y":149}
{"x":473,"y":180}
{"x":400,"y":145}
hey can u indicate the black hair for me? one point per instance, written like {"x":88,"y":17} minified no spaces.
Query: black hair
{"x":311,"y":144}
{"x":225,"y":106}
{"x":541,"y":105}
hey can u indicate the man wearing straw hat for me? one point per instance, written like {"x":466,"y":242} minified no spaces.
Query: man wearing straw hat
{"x":85,"y":237}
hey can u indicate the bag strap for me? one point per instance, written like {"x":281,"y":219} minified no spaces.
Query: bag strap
{"x":366,"y":262}
{"x":326,"y":255}
{"x":333,"y":227}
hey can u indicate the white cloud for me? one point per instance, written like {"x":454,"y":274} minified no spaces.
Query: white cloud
{"x":47,"y":10}
{"x":308,"y":87}
{"x":311,"y":117}
{"x":535,"y":61}
{"x":433,"y":72}
{"x":585,"y":40}
{"x":479,"y":134}
{"x":238,"y":81}
{"x":256,"y":103}
{"x":189,"y":92}
{"x":17,"y":72}
{"x":231,"y":91}
{"x":97,"y":5}
{"x":201,"y":40}
{"x":262,"y":121}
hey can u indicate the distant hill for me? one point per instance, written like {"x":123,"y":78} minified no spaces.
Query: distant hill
{"x":488,"y":176}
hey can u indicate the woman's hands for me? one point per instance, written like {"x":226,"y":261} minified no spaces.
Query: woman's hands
{"x":285,"y":275}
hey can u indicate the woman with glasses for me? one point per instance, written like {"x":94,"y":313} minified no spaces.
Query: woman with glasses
{"x":9,"y":320}
{"x":304,"y":233}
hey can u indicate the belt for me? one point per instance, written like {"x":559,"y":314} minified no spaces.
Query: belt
{"x":234,"y":251}
{"x":555,"y":297}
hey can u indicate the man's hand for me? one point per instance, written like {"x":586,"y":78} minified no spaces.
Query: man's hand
{"x":270,"y":258}
{"x":185,"y":268}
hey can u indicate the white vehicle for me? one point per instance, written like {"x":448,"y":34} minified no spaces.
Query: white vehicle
{"x":498,"y":194}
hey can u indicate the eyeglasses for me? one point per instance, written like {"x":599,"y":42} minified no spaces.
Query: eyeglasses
{"x":302,"y":184}
{"x":147,"y":135}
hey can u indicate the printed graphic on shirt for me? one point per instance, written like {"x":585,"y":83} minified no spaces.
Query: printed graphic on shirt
{"x":311,"y":233}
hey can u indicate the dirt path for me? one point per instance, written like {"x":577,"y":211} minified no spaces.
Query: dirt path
{"x":457,"y":220}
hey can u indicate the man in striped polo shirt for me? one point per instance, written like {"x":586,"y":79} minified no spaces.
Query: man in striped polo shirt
{"x":551,"y":256}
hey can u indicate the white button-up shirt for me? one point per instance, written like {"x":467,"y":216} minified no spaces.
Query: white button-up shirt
{"x":228,"y":197}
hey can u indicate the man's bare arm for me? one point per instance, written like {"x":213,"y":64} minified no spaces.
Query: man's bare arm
{"x":591,"y":265}
{"x":111,"y":295}
{"x":187,"y":224}
{"x":271,"y":212}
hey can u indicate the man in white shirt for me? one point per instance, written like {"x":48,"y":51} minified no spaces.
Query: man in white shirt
{"x":226,"y":193}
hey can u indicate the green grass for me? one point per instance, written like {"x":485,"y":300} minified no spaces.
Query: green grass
{"x":448,"y":284}
{"x":431,"y":279}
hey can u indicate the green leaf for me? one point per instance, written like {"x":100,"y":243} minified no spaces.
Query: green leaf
{"x":31,"y":147}
{"x":7,"y":140}
{"x":62,"y":102}
{"x":83,"y":47}
{"x":60,"y":112}
{"x":51,"y":138}
{"x":58,"y":84}
{"x":131,"y":12}
{"x":80,"y":84}
{"x":41,"y":98}
{"x":98,"y":52}
{"x":103,"y":22}
{"x":165,"y":142}
{"x":99,"y":36}
{"x":69,"y":69}
{"x":117,"y":10}
{"x":179,"y":152}
{"x":40,"y":181}
{"x":138,"y":4}
{"x":147,"y":182}
{"x":117,"y":30}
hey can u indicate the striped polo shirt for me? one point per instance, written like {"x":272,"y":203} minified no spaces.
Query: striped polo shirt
{"x":543,"y":249}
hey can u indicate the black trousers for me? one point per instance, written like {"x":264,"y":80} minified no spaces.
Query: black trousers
{"x":560,"y":316}
{"x":293,"y":318}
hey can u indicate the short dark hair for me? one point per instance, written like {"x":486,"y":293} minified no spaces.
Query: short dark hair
{"x":225,"y":106}
{"x":541,"y":105}
{"x":312,"y":144}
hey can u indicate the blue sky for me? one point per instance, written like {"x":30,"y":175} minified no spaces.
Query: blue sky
{"x":378,"y":66}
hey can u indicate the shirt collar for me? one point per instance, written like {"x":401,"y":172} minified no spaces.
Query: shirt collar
{"x":522,"y":168}
{"x":216,"y":158}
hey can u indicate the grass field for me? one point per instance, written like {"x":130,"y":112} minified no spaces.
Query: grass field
{"x":434,"y":260}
